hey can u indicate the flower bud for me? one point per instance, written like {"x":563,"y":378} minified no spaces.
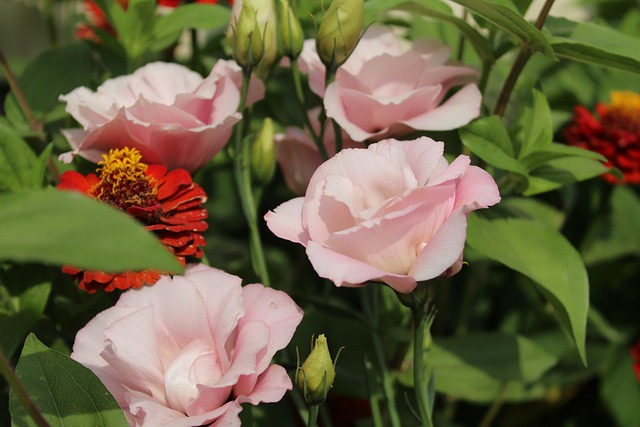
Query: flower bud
{"x":317,"y":373}
{"x":247,"y":38}
{"x":291,"y":35}
{"x":263,"y":153}
{"x":339,"y":31}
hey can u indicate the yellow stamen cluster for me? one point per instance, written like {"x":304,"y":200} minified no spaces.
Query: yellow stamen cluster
{"x":123,"y":180}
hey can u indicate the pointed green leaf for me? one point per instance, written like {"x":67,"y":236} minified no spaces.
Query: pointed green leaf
{"x":537,"y":132}
{"x":196,"y":15}
{"x":509,"y":21}
{"x":488,"y":139}
{"x":61,"y":227}
{"x":20,"y":169}
{"x":554,"y":151}
{"x":65,"y":392}
{"x":561,"y":171}
{"x":545,"y":256}
{"x":594,"y":44}
{"x":620,"y":389}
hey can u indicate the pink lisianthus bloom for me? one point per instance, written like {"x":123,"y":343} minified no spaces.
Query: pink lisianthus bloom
{"x":390,"y":87}
{"x":190,"y":350}
{"x":395,"y":212}
{"x":169,"y":113}
{"x":298,"y":154}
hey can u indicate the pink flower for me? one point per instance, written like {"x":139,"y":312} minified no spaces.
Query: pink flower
{"x":190,"y":350}
{"x":395,"y":212}
{"x":298,"y":154}
{"x":167,"y":112}
{"x":389,"y":87}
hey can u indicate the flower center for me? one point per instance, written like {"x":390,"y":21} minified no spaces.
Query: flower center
{"x":624,"y":111}
{"x":123,"y":180}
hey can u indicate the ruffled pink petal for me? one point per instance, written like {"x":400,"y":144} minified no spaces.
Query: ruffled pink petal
{"x":345,"y":271}
{"x":455,"y":112}
{"x":442,"y":250}
{"x":271,"y":386}
{"x":285,"y":221}
{"x":476,"y":189}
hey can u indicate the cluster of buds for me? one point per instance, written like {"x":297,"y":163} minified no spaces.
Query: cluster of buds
{"x":315,"y":376}
{"x":254,"y":36}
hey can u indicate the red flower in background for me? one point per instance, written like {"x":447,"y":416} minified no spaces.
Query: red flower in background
{"x":635,"y":354}
{"x":98,"y":19}
{"x":615,"y":135}
{"x":168,"y":203}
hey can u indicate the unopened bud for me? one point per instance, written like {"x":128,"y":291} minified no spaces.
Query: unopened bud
{"x":291,"y":35}
{"x":263,"y":153}
{"x":317,"y":373}
{"x":339,"y":31}
{"x":247,"y":40}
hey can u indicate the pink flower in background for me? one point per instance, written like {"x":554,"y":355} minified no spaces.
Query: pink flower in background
{"x":390,"y":87}
{"x":298,"y":154}
{"x":395,"y":212}
{"x":190,"y":350}
{"x":169,"y":113}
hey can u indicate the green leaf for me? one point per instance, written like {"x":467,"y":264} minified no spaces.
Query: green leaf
{"x":594,"y":44}
{"x":433,"y":9}
{"x":488,"y":139}
{"x":561,"y":171}
{"x":537,"y":131}
{"x":618,"y":234}
{"x":15,"y":325}
{"x":196,"y":15}
{"x":530,"y":208}
{"x":476,"y":366}
{"x":509,"y":21}
{"x":65,"y":392}
{"x":134,"y":26}
{"x":62,"y":227}
{"x":544,"y":255}
{"x":555,"y":150}
{"x":20,"y":169}
{"x":55,"y":72}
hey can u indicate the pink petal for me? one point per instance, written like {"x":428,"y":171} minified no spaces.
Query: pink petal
{"x":272,"y":384}
{"x":285,"y":221}
{"x":476,"y":189}
{"x":443,"y":250}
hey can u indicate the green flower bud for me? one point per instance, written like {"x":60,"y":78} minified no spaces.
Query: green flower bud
{"x":263,"y":153}
{"x":247,"y":38}
{"x":339,"y":31}
{"x":267,"y":23}
{"x":291,"y":34}
{"x":317,"y":373}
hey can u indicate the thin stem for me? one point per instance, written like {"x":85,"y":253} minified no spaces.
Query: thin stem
{"x":19,"y":390}
{"x":495,"y":407}
{"x":371,"y":314}
{"x":312,"y":421}
{"x":421,"y":326}
{"x":521,"y":60}
{"x":305,"y":117}
{"x":242,"y":173}
{"x":17,"y":92}
{"x":329,"y":77}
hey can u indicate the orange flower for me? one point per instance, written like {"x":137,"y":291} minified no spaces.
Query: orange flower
{"x":168,"y":203}
{"x":615,"y":135}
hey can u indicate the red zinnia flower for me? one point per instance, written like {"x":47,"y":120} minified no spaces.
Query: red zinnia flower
{"x":616,"y":135}
{"x":169,"y":203}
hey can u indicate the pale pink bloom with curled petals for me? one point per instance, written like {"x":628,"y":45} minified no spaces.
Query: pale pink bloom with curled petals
{"x":390,"y":87}
{"x":171,"y":114}
{"x":298,"y":154}
{"x":191,"y":349}
{"x":395,"y":212}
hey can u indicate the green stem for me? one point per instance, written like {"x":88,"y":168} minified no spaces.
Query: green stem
{"x":242,"y":173}
{"x":20,"y":392}
{"x":312,"y":421}
{"x":305,"y":117}
{"x":421,"y":325}
{"x":495,"y":407}
{"x":371,"y":314}
{"x":329,"y":77}
{"x":521,"y":60}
